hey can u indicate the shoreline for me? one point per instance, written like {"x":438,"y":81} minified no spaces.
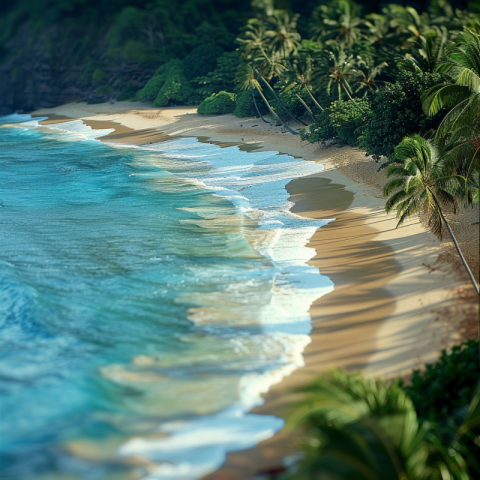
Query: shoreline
{"x":394,"y":305}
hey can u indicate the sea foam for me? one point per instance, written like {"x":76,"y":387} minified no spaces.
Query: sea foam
{"x":255,"y":183}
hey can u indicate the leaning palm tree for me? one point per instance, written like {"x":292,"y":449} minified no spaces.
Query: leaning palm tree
{"x":264,"y":50}
{"x":424,"y":183}
{"x":247,"y":80}
{"x":300,"y":72}
{"x":366,"y":429}
{"x":463,"y":96}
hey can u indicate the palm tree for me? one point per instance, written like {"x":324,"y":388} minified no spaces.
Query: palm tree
{"x":443,"y":14}
{"x":264,"y":49}
{"x":253,"y":39}
{"x":366,"y":429}
{"x":341,"y":72}
{"x":427,"y":52}
{"x":379,"y":28}
{"x":463,"y":96}
{"x":424,"y":183}
{"x":338,"y":72}
{"x":282,"y":34}
{"x":247,"y":80}
{"x":368,"y":71}
{"x":407,"y":22}
{"x":300,"y":72}
{"x":340,"y":21}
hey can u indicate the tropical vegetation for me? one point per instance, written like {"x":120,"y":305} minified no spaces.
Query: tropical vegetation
{"x":366,"y":429}
{"x":400,"y":82}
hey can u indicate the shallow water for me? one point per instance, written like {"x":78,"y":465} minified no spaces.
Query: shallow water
{"x":148,"y":296}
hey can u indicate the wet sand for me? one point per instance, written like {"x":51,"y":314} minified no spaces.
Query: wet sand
{"x":399,"y":296}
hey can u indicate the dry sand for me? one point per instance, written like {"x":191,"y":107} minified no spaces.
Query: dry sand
{"x":400,"y":295}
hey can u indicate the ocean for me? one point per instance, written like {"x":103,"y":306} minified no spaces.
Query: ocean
{"x":148,"y":297}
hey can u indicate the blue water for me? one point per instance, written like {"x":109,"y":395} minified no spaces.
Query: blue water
{"x":109,"y":260}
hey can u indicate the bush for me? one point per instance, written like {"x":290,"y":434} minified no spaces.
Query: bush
{"x":150,"y":91}
{"x":201,"y":60}
{"x":168,"y":86}
{"x":293,"y":104}
{"x":346,"y":118}
{"x":320,"y":131}
{"x":446,"y":387}
{"x":222,"y":78}
{"x":342,"y":119}
{"x":127,"y":94}
{"x":396,"y":111}
{"x":217,"y":104}
{"x":244,"y":106}
{"x":99,"y":77}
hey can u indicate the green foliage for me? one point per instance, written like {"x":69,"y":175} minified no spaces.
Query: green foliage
{"x":396,"y":111}
{"x":132,"y":37}
{"x":244,"y":106}
{"x":99,"y":77}
{"x":342,"y":119}
{"x":444,"y":389}
{"x":321,"y":131}
{"x":362,"y":429}
{"x":128,"y":93}
{"x":175,"y":90}
{"x":201,"y":60}
{"x":217,"y":104}
{"x":222,"y":78}
{"x":291,"y":101}
{"x":150,"y":91}
{"x":168,"y":86}
{"x":347,"y":117}
{"x":356,"y":428}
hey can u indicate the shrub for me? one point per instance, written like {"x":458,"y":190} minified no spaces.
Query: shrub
{"x":293,"y":104}
{"x":217,"y":104}
{"x":99,"y":77}
{"x":150,"y":91}
{"x":244,"y":106}
{"x":127,"y":93}
{"x":320,"y":131}
{"x":201,"y":60}
{"x":176,"y":89}
{"x":346,"y":118}
{"x":446,"y":387}
{"x":222,"y":78}
{"x":168,"y":86}
{"x":396,"y":111}
{"x":342,"y":119}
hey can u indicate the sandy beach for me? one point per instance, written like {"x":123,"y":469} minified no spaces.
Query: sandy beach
{"x":400,"y":296}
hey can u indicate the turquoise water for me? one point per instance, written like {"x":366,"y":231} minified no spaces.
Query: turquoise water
{"x":148,"y":296}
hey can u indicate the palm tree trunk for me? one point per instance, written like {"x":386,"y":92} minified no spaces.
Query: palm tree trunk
{"x":462,"y":258}
{"x":465,"y":264}
{"x":306,"y":107}
{"x":280,"y":100}
{"x":314,"y":99}
{"x":274,"y":114}
{"x":257,"y":109}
